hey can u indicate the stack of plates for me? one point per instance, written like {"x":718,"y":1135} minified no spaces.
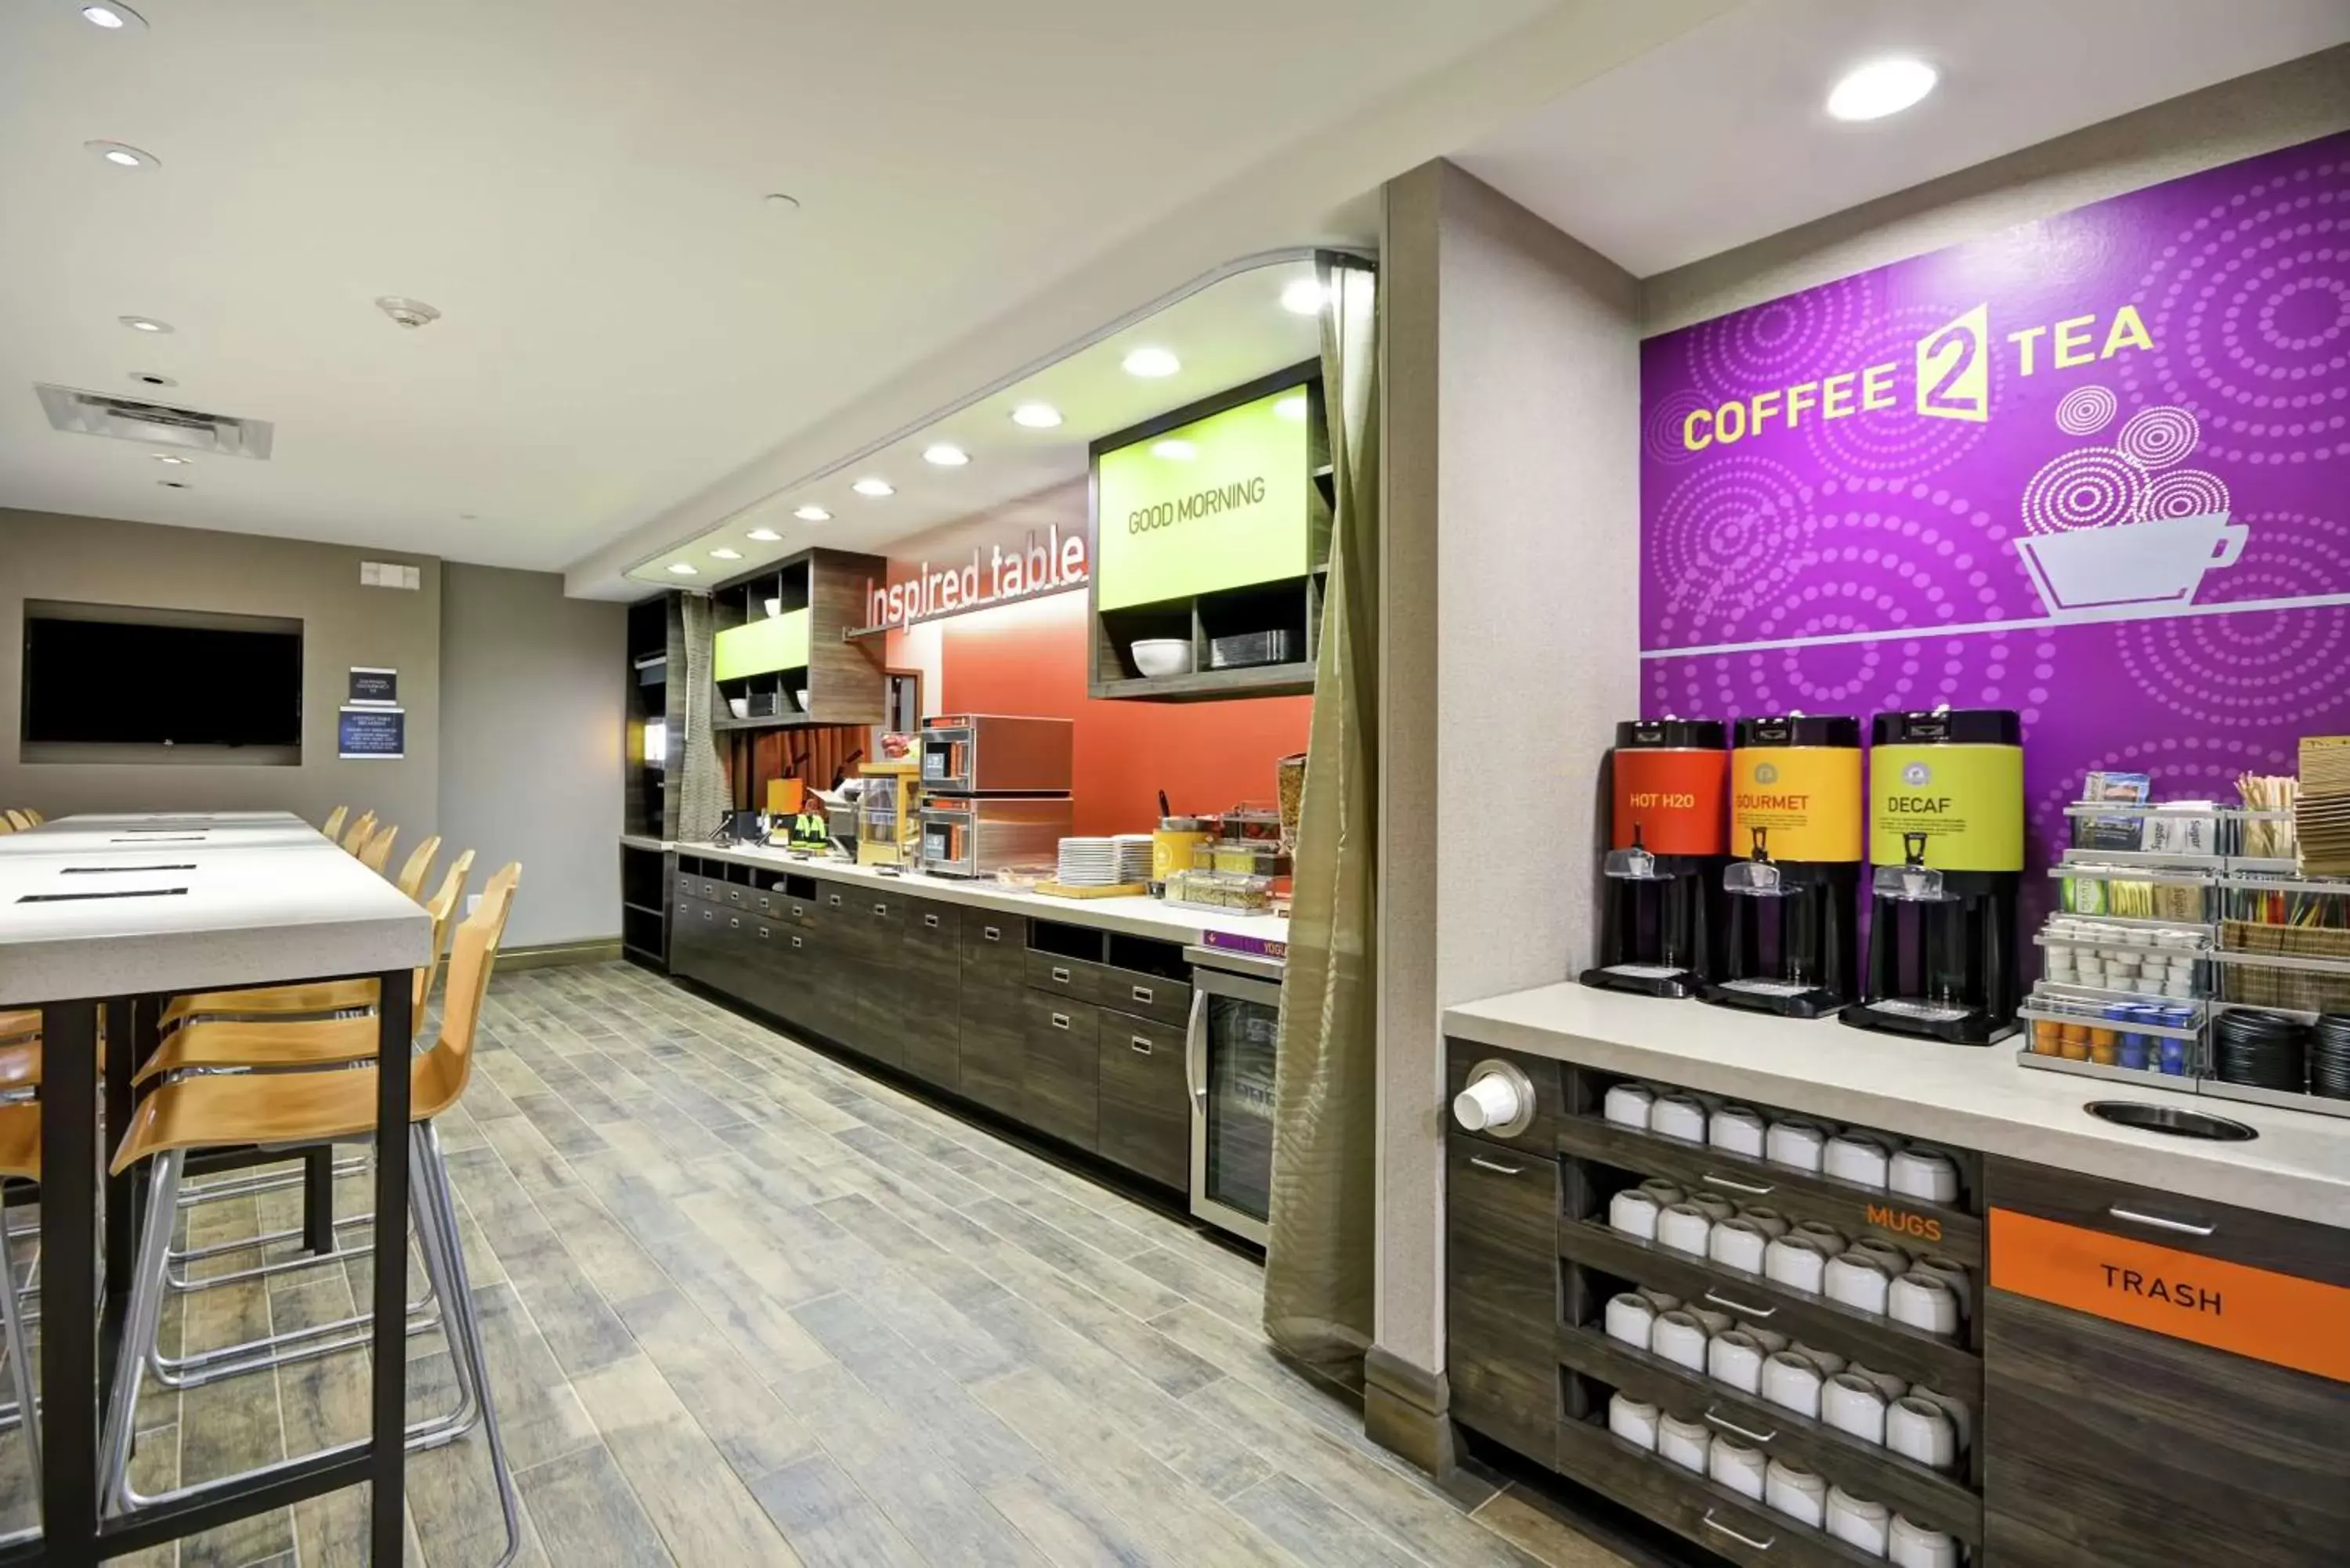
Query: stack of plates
{"x":2263,"y":1051}
{"x":2321,"y":812}
{"x":2329,"y":1057}
{"x":1133,"y":857}
{"x":1089,"y":863}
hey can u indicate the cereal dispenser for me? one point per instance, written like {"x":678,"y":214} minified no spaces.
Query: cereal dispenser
{"x":1661,"y":881}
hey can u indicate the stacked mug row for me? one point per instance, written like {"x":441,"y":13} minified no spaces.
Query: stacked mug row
{"x":1868,"y":1527}
{"x":1864,"y":1158}
{"x":1871,"y":1276}
{"x":1877,"y":1408}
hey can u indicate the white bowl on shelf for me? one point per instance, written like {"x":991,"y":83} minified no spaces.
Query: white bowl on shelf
{"x":739,"y":706}
{"x":1162,"y":655}
{"x":800,"y":697}
{"x":775,"y":609}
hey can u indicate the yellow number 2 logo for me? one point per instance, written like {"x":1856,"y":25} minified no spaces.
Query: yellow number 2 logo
{"x":1954,"y":369}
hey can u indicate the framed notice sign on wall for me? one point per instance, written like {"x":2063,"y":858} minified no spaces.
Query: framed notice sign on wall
{"x":374,"y":688}
{"x":367,"y":734}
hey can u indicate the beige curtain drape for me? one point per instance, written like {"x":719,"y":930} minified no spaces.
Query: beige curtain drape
{"x":702,"y":793}
{"x":1318,"y":1257}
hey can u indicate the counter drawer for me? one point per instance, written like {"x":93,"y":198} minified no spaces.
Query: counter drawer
{"x":991,"y":1043}
{"x":2245,"y":1236}
{"x":1144,"y":1122}
{"x":1060,"y":1068}
{"x":1146,"y":995}
{"x":1076,"y":979}
{"x":1549,"y":1081}
{"x":927,"y":991}
{"x":994,"y":947}
{"x":1733,"y":1526}
{"x":1502,"y":1291}
{"x":936,"y":925}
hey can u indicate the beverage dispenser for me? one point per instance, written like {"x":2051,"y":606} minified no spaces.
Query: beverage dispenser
{"x":1794,"y":896}
{"x":1946,"y":837}
{"x":1661,"y":881}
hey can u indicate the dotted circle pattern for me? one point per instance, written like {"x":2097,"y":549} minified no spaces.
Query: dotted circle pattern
{"x":2257,"y":669}
{"x":2088,"y":487}
{"x":2183,"y":493}
{"x":1895,"y":443}
{"x":2159,"y":436}
{"x":2085,"y":410}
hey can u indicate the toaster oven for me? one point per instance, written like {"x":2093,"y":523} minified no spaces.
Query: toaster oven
{"x":992,"y":754}
{"x":974,"y":835}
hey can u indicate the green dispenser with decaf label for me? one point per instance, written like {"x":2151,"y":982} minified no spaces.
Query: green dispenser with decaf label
{"x":1946,"y":840}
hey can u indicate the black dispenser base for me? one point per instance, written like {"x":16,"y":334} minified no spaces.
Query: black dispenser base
{"x":1971,"y":1028}
{"x":1812,"y":1003}
{"x":1674,"y":983}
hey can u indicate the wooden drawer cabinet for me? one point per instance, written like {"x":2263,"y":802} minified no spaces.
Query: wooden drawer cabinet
{"x":1145,"y":995}
{"x":994,"y":948}
{"x":1076,"y":979}
{"x":991,"y":1043}
{"x":928,"y":987}
{"x":1060,"y":1078}
{"x":1502,"y":1291}
{"x":1145,"y":1123}
{"x":1724,"y":1522}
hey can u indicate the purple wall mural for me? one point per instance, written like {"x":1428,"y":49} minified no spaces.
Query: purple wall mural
{"x":2096,"y":468}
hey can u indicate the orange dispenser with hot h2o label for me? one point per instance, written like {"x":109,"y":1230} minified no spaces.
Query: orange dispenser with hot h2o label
{"x":1793,"y":894}
{"x":1661,"y":886}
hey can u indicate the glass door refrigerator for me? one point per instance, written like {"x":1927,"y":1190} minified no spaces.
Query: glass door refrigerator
{"x":1235,"y":1027}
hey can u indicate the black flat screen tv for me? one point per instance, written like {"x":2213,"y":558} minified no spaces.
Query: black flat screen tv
{"x":103,"y":677}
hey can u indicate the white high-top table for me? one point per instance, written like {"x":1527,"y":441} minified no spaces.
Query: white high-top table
{"x":113,"y":913}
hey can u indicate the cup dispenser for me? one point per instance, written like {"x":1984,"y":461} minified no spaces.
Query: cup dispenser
{"x":1793,"y":895}
{"x":1661,"y":881}
{"x":1946,"y":838}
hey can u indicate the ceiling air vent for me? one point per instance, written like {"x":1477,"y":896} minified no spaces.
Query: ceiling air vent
{"x":154,"y":424}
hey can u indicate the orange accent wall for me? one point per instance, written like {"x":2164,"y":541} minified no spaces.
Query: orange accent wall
{"x":1030,"y":659}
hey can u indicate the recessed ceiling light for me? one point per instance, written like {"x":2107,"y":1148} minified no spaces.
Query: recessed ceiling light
{"x":1292,"y":407}
{"x":1175,"y":450}
{"x":778,"y":201}
{"x":945,"y":454}
{"x":1151,"y":363}
{"x":1036,"y":416}
{"x":144,"y":324}
{"x":122,"y":155}
{"x":113,"y":18}
{"x":1304,"y":296}
{"x":873,"y":487}
{"x":725,"y":554}
{"x":764,"y":536}
{"x":817,"y":514}
{"x":150,"y":378}
{"x":174,"y":462}
{"x":683,"y":569}
{"x":1881,"y":88}
{"x":176,"y":484}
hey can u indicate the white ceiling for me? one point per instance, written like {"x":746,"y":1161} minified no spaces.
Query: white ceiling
{"x":577,"y":185}
{"x":1719,"y":137}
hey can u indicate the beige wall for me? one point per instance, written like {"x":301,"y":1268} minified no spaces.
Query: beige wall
{"x":1512,"y":440}
{"x":100,"y":561}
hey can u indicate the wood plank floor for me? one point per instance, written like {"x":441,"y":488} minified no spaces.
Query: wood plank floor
{"x":745,"y":1306}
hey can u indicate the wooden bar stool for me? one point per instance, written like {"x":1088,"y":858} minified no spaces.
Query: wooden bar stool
{"x":301,"y":1108}
{"x":412,"y":876}
{"x":356,"y":839}
{"x":333,"y":826}
{"x":379,"y":849}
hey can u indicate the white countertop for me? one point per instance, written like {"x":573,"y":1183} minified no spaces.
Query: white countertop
{"x":264,"y":898}
{"x":1131,"y":915}
{"x":1970,"y":1096}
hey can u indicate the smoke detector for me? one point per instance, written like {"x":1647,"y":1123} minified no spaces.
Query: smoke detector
{"x":405,"y":312}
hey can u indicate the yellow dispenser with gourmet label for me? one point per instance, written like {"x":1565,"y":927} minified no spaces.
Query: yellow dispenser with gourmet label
{"x":1946,"y":837}
{"x":1795,"y":820}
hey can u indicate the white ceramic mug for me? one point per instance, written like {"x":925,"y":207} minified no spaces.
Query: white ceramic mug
{"x":1684,"y":1443}
{"x":1915,"y":1546}
{"x":1678,"y":1115}
{"x":1795,"y":1262}
{"x":1767,"y":1219}
{"x":1924,"y":1300}
{"x":1630,"y":1320}
{"x":1716,"y":1208}
{"x":1735,"y":1359}
{"x":1658,"y":1299}
{"x":1829,"y":1238}
{"x":1792,"y":1381}
{"x":1892,"y":1388}
{"x":1926,"y":1174}
{"x":1950,"y":1271}
{"x":1856,"y":1158}
{"x":1626,"y":1106}
{"x":1681,"y":1339}
{"x":1738,"y":1243}
{"x":1859,"y":1280}
{"x":1666,"y":1193}
{"x":1633,"y":1212}
{"x":1896,"y":1261}
{"x":1738,"y":1467}
{"x":1684,"y":1228}
{"x":1795,"y":1142}
{"x":1918,"y":1428}
{"x":1737,"y":1129}
{"x":1827,"y":1361}
{"x":1634,"y":1420}
{"x":1961,"y":1422}
{"x":1795,"y":1493}
{"x":1858,"y":1522}
{"x":1851,"y":1403}
{"x":1770,"y":1339}
{"x":1715,"y":1322}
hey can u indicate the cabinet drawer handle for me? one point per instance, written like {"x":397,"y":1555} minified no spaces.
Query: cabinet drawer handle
{"x":1740,"y":1308}
{"x":797,"y":912}
{"x":735,"y":921}
{"x":990,"y":934}
{"x":709,"y":914}
{"x":1713,"y":1523}
{"x":763,"y":902}
{"x":2160,"y":1223}
{"x":1757,"y":1439}
{"x":1060,"y":977}
{"x":796,"y":942}
{"x":764,"y":933}
{"x":1142,"y":993}
{"x":931,"y":921}
{"x":1060,"y":1021}
{"x":835,"y":900}
{"x":880,"y":908}
{"x":1141,"y":1045}
{"x":1710,"y":1180}
{"x":1496,"y":1166}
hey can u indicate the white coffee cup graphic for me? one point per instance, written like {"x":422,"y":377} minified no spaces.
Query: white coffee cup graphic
{"x":2159,"y":561}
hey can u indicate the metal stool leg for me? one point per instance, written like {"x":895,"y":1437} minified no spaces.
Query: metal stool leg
{"x":20,"y":1362}
{"x":139,"y":1333}
{"x":444,"y":1257}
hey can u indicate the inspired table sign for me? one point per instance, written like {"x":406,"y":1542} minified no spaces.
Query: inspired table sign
{"x":1046,"y":563}
{"x":2095,"y":468}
